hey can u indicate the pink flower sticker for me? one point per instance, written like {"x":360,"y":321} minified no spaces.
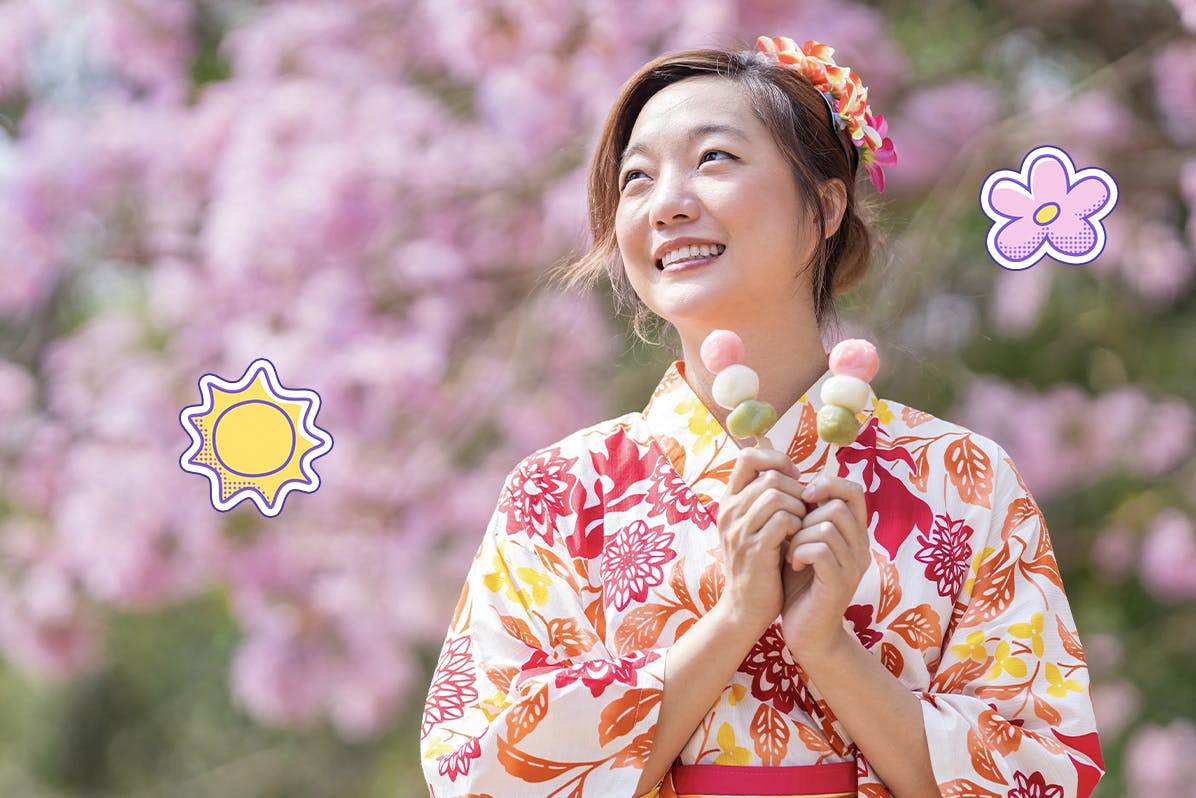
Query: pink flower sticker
{"x":1048,"y":208}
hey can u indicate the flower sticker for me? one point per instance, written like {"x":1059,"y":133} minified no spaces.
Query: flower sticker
{"x":1048,"y":208}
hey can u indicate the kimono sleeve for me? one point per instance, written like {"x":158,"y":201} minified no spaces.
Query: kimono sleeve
{"x":1008,"y":712}
{"x":526,"y":698}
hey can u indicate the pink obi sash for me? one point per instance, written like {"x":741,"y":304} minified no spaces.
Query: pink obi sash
{"x":834,"y":780}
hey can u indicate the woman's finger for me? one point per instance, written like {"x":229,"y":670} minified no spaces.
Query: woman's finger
{"x":823,"y":535}
{"x":816,"y":555}
{"x":779,"y":526}
{"x":752,"y":461}
{"x":837,"y":512}
{"x":824,"y":488}
{"x":769,"y":492}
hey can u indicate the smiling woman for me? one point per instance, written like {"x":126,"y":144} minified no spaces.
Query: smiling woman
{"x":757,"y":98}
{"x":658,"y":609}
{"x":724,"y":190}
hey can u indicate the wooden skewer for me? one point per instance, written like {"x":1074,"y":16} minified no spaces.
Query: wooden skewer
{"x":831,"y":467}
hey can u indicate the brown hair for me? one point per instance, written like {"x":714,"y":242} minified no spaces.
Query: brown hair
{"x":799,"y":119}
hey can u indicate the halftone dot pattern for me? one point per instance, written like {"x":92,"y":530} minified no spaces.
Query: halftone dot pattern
{"x":203,"y":456}
{"x":1023,"y":249}
{"x":229,"y":486}
{"x":1077,"y":244}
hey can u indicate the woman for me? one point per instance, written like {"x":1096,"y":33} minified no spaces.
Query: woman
{"x":657,"y":607}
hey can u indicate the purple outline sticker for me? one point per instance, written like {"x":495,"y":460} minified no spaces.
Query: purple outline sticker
{"x":1048,"y":208}
{"x":254,"y":437}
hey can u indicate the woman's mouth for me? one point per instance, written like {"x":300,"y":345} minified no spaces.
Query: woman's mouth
{"x":691,"y":255}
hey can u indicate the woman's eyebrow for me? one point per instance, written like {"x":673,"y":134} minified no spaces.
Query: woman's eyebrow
{"x":639,"y":148}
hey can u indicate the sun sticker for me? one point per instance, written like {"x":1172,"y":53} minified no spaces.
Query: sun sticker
{"x":254,"y":439}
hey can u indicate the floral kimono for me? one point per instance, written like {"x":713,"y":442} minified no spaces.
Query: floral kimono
{"x":603,"y":550}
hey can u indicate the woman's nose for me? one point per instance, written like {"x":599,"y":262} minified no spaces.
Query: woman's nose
{"x":673,"y":201}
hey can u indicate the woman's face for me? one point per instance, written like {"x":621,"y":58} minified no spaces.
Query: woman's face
{"x":709,"y":224}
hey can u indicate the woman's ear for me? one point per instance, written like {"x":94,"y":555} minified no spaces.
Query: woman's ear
{"x":833,"y":195}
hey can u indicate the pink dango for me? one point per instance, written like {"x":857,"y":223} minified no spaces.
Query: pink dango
{"x":721,"y":348}
{"x":853,"y":363}
{"x":855,"y":357}
{"x":736,"y":386}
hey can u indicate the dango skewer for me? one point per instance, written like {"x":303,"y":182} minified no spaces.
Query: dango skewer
{"x":736,"y":387}
{"x":853,"y":364}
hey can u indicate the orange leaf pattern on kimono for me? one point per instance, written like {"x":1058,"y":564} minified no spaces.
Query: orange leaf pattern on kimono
{"x":982,"y":758}
{"x":770,"y":735}
{"x":970,"y":470}
{"x":603,"y":550}
{"x":963,"y":788}
{"x":524,"y":717}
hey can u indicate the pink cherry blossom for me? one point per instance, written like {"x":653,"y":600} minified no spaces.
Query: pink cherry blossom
{"x":1187,"y":13}
{"x":1019,"y":299}
{"x":1175,"y":87}
{"x":1159,"y":761}
{"x":1116,"y":705}
{"x":1063,"y":438}
{"x":1169,"y":557}
{"x":936,"y":124}
{"x":1115,"y":552}
{"x":46,"y":625}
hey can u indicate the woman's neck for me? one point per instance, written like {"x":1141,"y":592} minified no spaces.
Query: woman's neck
{"x":788,"y":356}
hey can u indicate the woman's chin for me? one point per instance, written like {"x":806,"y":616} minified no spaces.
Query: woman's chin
{"x":700,"y":306}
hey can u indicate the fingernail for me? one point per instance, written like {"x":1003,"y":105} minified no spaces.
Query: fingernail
{"x":808,"y":493}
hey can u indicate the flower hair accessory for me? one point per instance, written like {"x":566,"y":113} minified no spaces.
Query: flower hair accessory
{"x":846,"y":97}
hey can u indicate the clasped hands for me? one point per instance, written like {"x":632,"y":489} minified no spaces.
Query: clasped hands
{"x":793,"y":550}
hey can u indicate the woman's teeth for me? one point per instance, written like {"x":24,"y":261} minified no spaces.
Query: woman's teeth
{"x":690,"y":252}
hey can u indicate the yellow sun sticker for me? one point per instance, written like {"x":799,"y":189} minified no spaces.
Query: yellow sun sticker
{"x":254,"y":439}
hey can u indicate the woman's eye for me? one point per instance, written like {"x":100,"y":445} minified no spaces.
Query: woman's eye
{"x":706,"y":155}
{"x":630,"y":175}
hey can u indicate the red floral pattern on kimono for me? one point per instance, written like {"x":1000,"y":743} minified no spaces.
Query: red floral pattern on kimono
{"x":603,"y":551}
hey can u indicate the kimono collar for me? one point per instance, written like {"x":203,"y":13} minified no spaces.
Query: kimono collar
{"x":703,"y":453}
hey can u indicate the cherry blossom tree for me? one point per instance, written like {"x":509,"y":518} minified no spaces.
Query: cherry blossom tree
{"x":371,"y":193}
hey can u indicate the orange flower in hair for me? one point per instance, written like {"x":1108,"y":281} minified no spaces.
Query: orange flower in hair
{"x":846,"y":95}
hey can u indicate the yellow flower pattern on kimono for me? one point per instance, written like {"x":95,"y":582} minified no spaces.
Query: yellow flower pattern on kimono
{"x":700,"y":422}
{"x":731,"y":754}
{"x":972,"y":648}
{"x":1060,"y":686}
{"x":602,"y":552}
{"x":1032,"y":630}
{"x":1004,"y":662}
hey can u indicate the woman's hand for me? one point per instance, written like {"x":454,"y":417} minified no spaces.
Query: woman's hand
{"x":824,"y":562}
{"x":760,"y":511}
